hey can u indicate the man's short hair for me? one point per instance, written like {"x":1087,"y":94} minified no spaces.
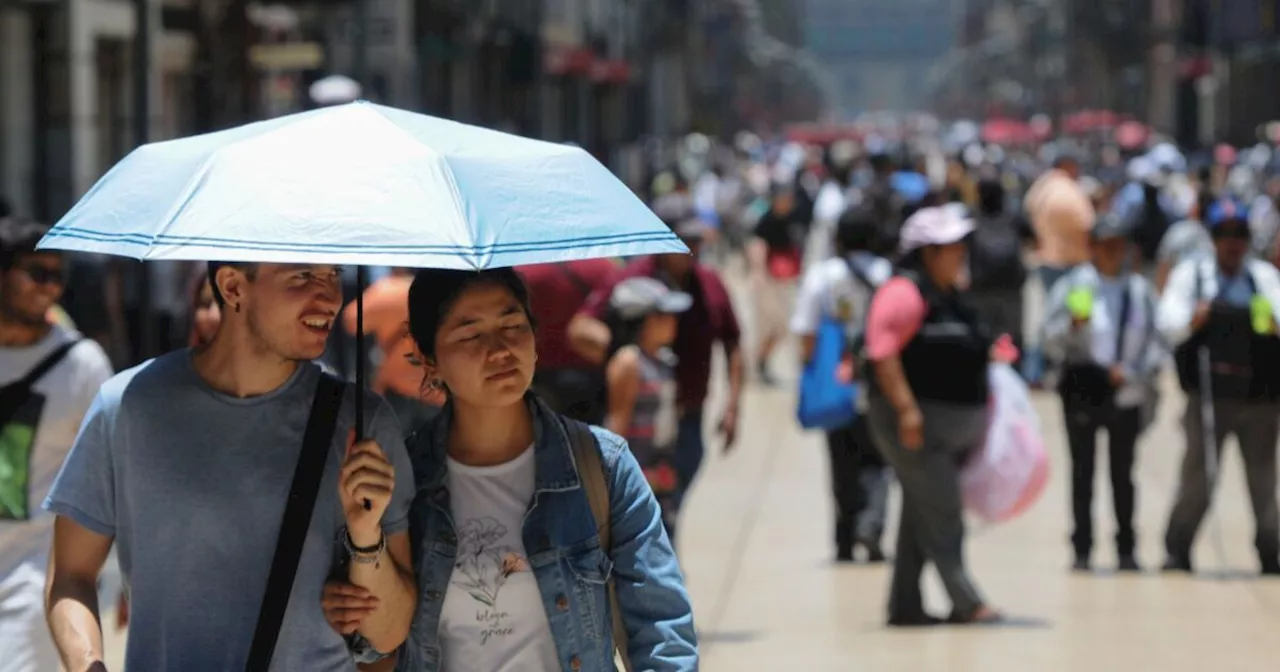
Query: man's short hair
{"x":18,"y":237}
{"x":250,"y":270}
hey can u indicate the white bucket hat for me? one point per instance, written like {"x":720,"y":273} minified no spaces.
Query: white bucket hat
{"x":933,"y":226}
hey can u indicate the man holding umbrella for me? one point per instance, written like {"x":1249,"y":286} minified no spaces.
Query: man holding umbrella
{"x":1220,"y":312}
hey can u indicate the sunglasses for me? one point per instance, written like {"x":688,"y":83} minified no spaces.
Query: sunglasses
{"x":42,"y":275}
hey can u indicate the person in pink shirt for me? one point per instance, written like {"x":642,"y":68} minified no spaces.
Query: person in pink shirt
{"x":927,"y":400}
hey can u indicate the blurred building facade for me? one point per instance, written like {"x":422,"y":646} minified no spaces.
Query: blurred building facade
{"x":880,"y":52}
{"x":604,"y":74}
{"x":1201,"y":71}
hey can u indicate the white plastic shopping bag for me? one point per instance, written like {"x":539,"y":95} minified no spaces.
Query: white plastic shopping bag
{"x":1011,"y":469}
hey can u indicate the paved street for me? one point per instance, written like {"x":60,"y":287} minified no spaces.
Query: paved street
{"x":755,"y":544}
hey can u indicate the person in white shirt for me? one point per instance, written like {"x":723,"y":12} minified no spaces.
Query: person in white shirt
{"x":1220,"y":314}
{"x":48,"y":378}
{"x":1099,"y":330}
{"x":842,"y":287}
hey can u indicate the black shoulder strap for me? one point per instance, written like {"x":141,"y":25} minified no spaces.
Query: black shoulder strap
{"x":296,"y":520}
{"x":1122,"y":328}
{"x":15,"y":394}
{"x":46,"y":365}
{"x":859,"y":275}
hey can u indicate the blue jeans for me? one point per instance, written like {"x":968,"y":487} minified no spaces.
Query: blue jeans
{"x":690,"y":447}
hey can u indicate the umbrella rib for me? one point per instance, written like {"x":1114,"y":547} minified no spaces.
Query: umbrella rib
{"x":188,"y":191}
{"x":453,"y":183}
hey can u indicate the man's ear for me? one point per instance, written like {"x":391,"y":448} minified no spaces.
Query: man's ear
{"x":231,"y":285}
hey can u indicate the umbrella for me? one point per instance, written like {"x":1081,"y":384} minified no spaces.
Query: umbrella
{"x":362,"y":184}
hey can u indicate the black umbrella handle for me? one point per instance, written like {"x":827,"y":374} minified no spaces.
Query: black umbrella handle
{"x":361,"y":280}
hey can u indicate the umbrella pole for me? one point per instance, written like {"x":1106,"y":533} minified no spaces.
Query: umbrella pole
{"x":361,"y":280}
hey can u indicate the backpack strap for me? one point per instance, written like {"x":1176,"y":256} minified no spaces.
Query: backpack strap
{"x":296,"y":521}
{"x":17,"y":392}
{"x":46,"y":365}
{"x":1122,"y":326}
{"x":586,"y":454}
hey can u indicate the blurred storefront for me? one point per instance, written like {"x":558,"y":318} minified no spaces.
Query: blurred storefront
{"x":67,"y":113}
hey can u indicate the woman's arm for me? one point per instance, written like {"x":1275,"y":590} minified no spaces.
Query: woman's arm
{"x":656,"y":609}
{"x":623,"y":376}
{"x":897,"y":310}
{"x":378,"y":471}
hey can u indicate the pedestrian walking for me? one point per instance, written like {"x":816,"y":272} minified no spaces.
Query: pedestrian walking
{"x":775,"y":260}
{"x":709,"y":322}
{"x":1220,"y":313}
{"x":841,"y":288}
{"x":48,"y":377}
{"x":1100,"y":335}
{"x":928,"y":408}
{"x":642,"y":384}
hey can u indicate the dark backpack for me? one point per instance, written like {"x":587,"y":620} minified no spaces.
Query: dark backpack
{"x":1153,"y":223}
{"x":995,"y":255}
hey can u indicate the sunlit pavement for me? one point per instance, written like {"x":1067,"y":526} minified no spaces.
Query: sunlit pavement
{"x":756,"y":546}
{"x":755,"y":543}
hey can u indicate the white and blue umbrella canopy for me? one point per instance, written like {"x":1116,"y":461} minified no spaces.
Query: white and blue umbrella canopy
{"x":362,"y":184}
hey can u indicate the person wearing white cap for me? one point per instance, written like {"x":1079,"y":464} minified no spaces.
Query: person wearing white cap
{"x":927,"y":400}
{"x":641,"y":377}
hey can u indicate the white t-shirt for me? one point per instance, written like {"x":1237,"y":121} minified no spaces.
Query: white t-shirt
{"x":58,"y":405}
{"x":829,"y":288}
{"x":493,"y":617}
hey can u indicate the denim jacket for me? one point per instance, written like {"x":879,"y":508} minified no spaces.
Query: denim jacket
{"x":564,"y":552}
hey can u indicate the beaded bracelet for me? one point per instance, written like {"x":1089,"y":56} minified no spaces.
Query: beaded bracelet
{"x":365,"y":555}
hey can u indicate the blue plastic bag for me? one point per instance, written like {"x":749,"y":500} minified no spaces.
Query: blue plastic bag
{"x":826,"y":402}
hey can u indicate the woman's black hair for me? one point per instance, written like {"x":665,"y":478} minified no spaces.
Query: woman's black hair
{"x":434,"y":291}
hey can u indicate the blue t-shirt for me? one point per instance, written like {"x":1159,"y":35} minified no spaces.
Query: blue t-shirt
{"x":192,"y":484}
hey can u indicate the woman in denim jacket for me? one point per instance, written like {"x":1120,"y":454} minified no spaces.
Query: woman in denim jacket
{"x":510,"y":570}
